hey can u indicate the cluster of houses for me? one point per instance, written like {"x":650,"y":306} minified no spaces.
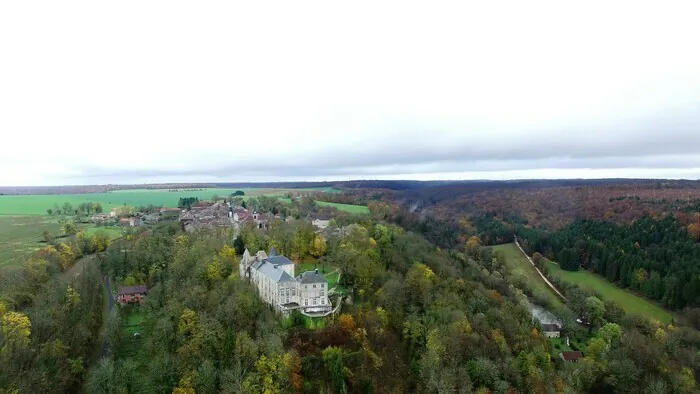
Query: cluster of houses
{"x":274,"y":277}
{"x":206,"y":214}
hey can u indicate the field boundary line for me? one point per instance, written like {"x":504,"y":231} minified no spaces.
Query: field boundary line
{"x":551,"y":286}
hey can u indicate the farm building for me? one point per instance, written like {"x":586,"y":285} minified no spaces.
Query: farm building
{"x":130,"y":222}
{"x":131,"y":294}
{"x":551,"y":330}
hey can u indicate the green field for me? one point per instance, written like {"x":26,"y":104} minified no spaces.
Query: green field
{"x":38,"y":204}
{"x":519,"y":267}
{"x":630,"y":302}
{"x":20,"y":236}
{"x":112,"y":232}
{"x":354,"y":209}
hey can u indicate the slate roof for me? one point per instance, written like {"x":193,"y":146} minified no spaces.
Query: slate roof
{"x":132,"y":289}
{"x":258,"y":263}
{"x":279,"y":260}
{"x":312,"y":277}
{"x":275,"y":273}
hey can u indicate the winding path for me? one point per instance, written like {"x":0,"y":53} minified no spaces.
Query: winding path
{"x":551,"y":286}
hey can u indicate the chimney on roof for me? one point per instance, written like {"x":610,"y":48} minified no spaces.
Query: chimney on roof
{"x":276,"y":265}
{"x":316,"y":270}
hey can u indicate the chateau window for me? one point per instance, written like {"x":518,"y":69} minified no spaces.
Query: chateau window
{"x":314,"y":301}
{"x":294,"y":291}
{"x":323,"y":301}
{"x":306,"y":302}
{"x":322,"y":292}
{"x":314,"y":286}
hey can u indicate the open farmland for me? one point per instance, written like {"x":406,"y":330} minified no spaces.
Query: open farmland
{"x":519,"y":267}
{"x":20,"y":236}
{"x":630,"y":302}
{"x":37,"y":204}
{"x":354,"y":209}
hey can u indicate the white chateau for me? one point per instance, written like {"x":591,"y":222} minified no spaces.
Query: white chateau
{"x":273,"y":275}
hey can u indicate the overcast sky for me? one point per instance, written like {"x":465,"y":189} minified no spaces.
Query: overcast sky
{"x":150,"y":91}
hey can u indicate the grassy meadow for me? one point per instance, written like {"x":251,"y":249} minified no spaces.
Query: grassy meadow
{"x":519,"y":267}
{"x":630,"y":302}
{"x":354,"y":209}
{"x":21,"y":236}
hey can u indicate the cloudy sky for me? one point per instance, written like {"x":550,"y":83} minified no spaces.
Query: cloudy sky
{"x":160,"y":91}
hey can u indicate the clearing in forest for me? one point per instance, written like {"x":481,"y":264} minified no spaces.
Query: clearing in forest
{"x":631,"y":303}
{"x":519,"y":267}
{"x":354,"y":209}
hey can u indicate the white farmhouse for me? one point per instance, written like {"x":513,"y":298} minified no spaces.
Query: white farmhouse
{"x":274,"y":278}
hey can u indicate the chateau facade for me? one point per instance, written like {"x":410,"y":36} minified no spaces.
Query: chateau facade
{"x":277,"y":285}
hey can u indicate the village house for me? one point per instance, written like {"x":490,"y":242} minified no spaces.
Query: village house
{"x":131,"y":294}
{"x":100,"y":217}
{"x":321,"y":224}
{"x":130,"y":222}
{"x":275,"y":280}
{"x":571,"y":356}
{"x":551,"y":330}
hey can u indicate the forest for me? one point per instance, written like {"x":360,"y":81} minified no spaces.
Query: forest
{"x":655,"y":256}
{"x":426,"y":315}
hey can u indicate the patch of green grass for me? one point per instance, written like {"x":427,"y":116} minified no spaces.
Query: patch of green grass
{"x":630,"y":302}
{"x":22,"y":236}
{"x":133,"y":322}
{"x":313,"y":323}
{"x":332,"y":279}
{"x":112,"y":232}
{"x":519,"y":267}
{"x":354,"y":209}
{"x":37,"y":204}
{"x":561,"y":342}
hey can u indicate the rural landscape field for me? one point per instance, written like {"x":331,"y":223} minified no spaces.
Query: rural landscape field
{"x":24,"y":218}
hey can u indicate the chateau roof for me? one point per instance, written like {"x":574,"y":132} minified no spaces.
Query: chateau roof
{"x":275,"y":273}
{"x":279,"y":260}
{"x":312,"y":277}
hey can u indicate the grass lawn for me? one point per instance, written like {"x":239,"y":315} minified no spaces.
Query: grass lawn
{"x":38,"y":204}
{"x":133,"y":321}
{"x":630,"y":302}
{"x":354,"y":209}
{"x":561,"y":342}
{"x":519,"y":266}
{"x":20,"y":236}
{"x":112,"y":232}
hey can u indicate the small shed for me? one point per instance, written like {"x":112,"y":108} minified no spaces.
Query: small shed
{"x":571,"y":356}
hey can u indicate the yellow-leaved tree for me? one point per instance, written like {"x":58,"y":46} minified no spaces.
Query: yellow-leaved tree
{"x":16,"y":329}
{"x":319,"y":247}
